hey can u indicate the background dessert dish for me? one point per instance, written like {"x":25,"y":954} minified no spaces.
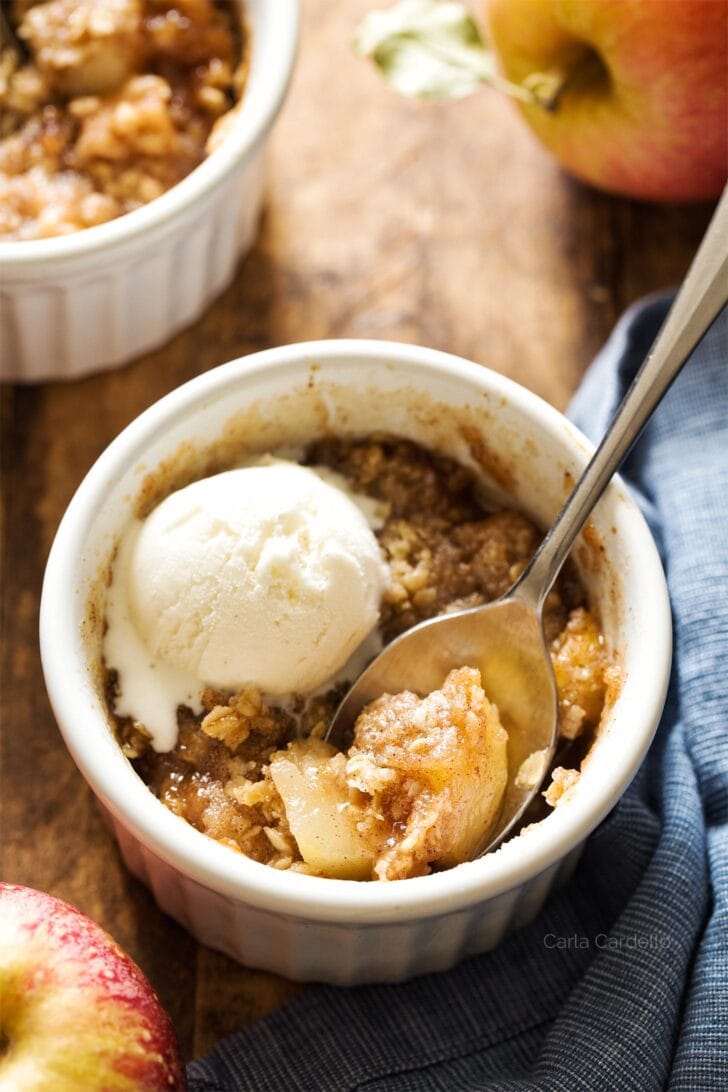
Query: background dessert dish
{"x":524,"y":454}
{"x":237,"y":600}
{"x":116,"y":103}
{"x":88,"y":300}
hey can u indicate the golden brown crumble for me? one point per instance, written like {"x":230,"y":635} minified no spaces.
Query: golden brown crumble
{"x":563,"y":782}
{"x":443,"y":550}
{"x":231,"y":719}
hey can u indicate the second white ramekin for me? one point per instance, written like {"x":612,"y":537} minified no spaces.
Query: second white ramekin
{"x":95,"y":299}
{"x":305,"y":927}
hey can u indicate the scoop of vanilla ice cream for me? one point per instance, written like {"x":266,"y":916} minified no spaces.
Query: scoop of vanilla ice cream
{"x":265,"y":575}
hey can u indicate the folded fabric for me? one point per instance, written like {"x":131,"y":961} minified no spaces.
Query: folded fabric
{"x":637,"y":996}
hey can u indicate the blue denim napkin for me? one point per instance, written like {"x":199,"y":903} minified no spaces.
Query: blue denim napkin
{"x":622,"y":982}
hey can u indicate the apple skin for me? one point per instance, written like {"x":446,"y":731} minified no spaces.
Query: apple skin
{"x":655,"y":128}
{"x":76,"y":1013}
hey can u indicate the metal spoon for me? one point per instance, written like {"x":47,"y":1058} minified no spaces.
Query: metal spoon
{"x":505,"y":638}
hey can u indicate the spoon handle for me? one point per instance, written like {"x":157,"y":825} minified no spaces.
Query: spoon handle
{"x":703,"y":295}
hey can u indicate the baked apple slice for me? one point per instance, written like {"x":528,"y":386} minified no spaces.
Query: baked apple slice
{"x":310,"y":778}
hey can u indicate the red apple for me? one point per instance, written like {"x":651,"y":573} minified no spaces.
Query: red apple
{"x":76,"y":1013}
{"x":643,"y":109}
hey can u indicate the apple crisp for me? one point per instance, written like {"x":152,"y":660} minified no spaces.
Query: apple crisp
{"x":424,"y":778}
{"x":116,"y":104}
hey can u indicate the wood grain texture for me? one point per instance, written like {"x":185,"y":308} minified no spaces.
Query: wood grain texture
{"x":447,"y":226}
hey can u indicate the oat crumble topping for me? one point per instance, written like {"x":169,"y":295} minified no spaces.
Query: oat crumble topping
{"x":119,"y":101}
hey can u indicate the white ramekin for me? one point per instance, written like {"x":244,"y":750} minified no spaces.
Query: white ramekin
{"x":95,"y":299}
{"x":306,"y":927}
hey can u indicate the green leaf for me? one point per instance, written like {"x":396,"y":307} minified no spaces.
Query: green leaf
{"x":429,"y":49}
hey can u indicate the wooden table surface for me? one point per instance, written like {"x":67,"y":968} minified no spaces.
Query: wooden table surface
{"x":448,"y":226}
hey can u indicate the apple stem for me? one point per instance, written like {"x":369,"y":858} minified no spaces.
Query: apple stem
{"x":520,"y":91}
{"x":546,"y":88}
{"x":542,"y":89}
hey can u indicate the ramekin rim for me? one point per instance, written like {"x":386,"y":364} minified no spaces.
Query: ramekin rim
{"x":246,"y":133}
{"x":296,"y":895}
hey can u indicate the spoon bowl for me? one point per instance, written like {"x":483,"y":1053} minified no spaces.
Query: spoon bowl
{"x":505,"y":641}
